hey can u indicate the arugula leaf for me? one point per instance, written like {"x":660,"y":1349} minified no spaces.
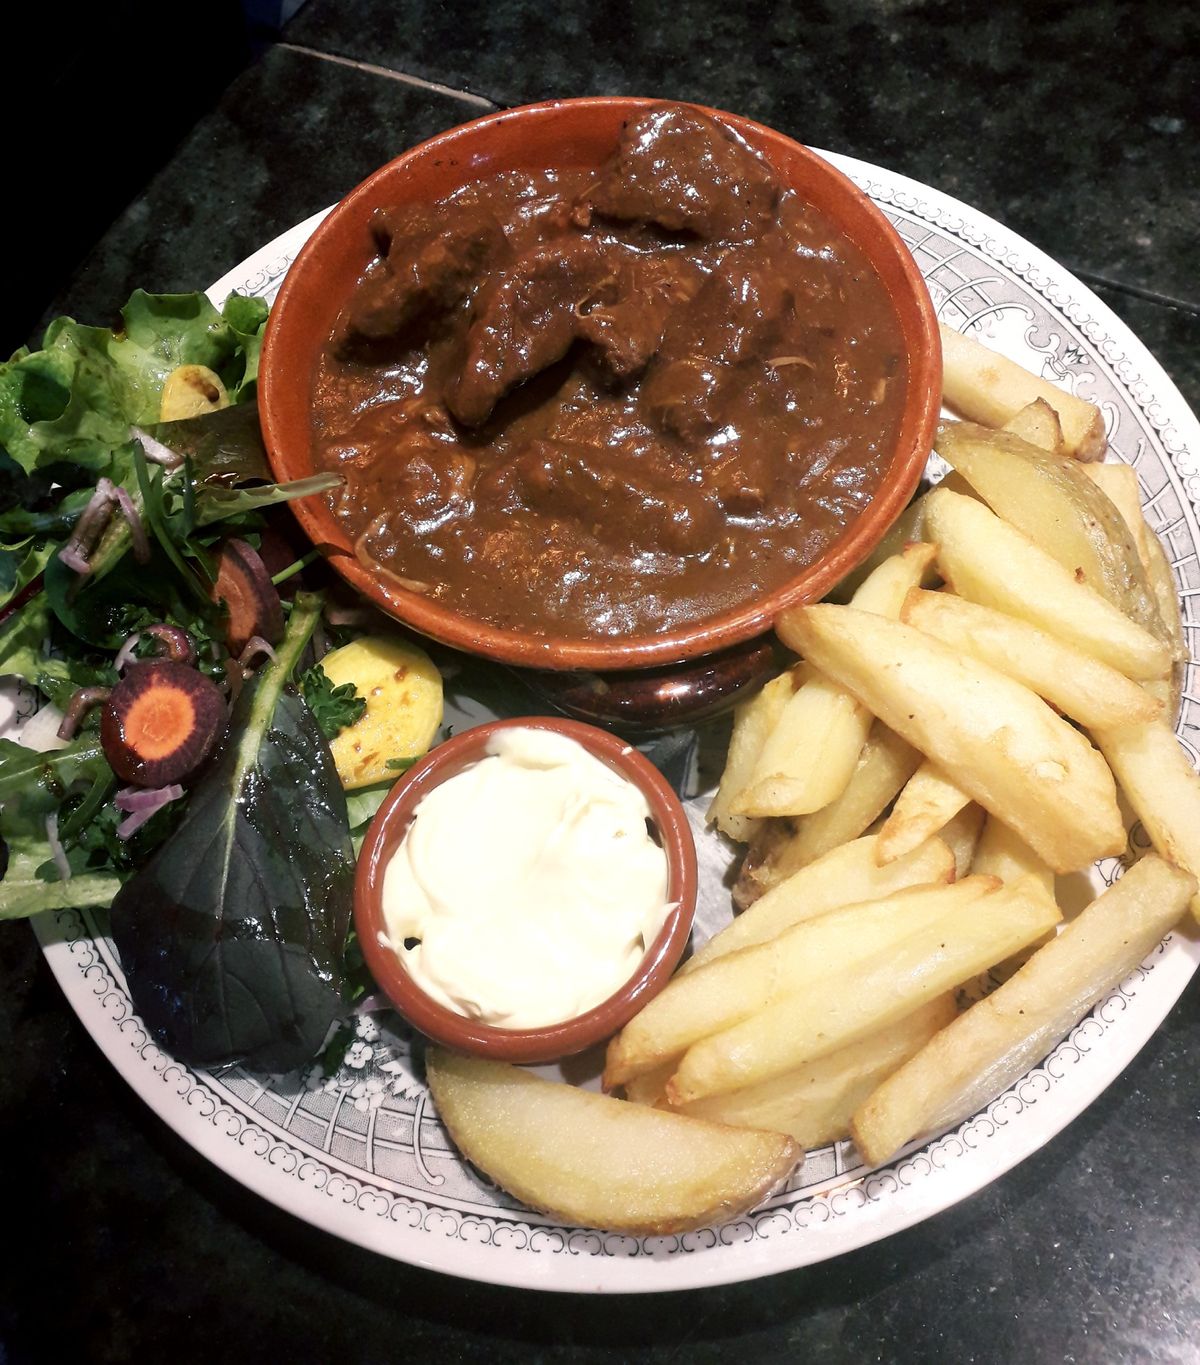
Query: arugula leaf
{"x":24,"y":891}
{"x":335,"y":708}
{"x":42,"y":780}
{"x":232,"y":934}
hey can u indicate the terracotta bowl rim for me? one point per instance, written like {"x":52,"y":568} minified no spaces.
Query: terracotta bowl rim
{"x":526,"y":648}
{"x":573,"y":1035}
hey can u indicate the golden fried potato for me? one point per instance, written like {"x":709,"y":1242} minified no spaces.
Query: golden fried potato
{"x":989,"y":561}
{"x":601,"y":1162}
{"x":733,"y":987}
{"x":1002,"y":744}
{"x":845,"y":1005}
{"x":814,"y":1103}
{"x":191,"y":391}
{"x":753,"y":721}
{"x":1039,"y":424}
{"x":844,"y":876}
{"x":808,"y":759}
{"x":988,"y":388}
{"x":1001,"y":1036}
{"x":1162,"y":787}
{"x":1077,"y":683}
{"x":1060,"y":509}
{"x":929,"y":801}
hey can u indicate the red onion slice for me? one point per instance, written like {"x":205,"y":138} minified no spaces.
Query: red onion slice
{"x":154,"y":450}
{"x":142,"y":803}
{"x":137,"y":532}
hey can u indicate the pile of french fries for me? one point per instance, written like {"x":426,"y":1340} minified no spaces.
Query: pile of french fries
{"x":952,"y":736}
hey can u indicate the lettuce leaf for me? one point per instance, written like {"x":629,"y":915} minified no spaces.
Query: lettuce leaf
{"x":75,"y":399}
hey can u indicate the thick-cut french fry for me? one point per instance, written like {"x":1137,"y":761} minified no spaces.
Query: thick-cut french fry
{"x":1039,"y":424}
{"x":734,"y":987}
{"x":999,"y":741}
{"x":1004,"y":854}
{"x":1059,"y":508}
{"x":753,"y":721}
{"x":1162,"y":787}
{"x":1002,"y":1036}
{"x":884,"y":766}
{"x":810,"y":755}
{"x":1078,"y":684}
{"x":961,"y":836}
{"x":991,"y":562}
{"x":844,"y":876}
{"x":1001,"y":852}
{"x":814,"y":1104}
{"x":842,"y":1006}
{"x":807,"y":759}
{"x":650,"y":1088}
{"x":929,"y":800}
{"x":907,"y":529}
{"x":988,"y":388}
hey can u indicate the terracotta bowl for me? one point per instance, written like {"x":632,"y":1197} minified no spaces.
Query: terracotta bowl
{"x":559,"y":1040}
{"x":574,"y":134}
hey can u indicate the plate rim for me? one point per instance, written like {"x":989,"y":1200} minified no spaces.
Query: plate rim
{"x":956,"y":1160}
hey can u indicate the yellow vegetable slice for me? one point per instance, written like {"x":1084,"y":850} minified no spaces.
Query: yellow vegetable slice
{"x":403,"y":692}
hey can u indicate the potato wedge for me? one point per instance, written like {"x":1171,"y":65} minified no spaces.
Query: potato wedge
{"x":814,"y":1104}
{"x":1059,"y":508}
{"x":999,"y":1038}
{"x":929,"y":800}
{"x":1002,"y":744}
{"x":1170,"y":689}
{"x":807,"y":761}
{"x":844,"y":876}
{"x":1077,"y":683}
{"x":1162,"y":787}
{"x":991,"y":389}
{"x":843,"y":1006}
{"x":990,"y":562}
{"x":403,"y":692}
{"x":590,"y":1159}
{"x":736,"y":986}
{"x":1039,"y":424}
{"x":753,"y":721}
{"x":1119,"y":484}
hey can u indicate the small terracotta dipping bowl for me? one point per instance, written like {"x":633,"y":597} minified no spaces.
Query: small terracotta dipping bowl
{"x":575,"y":134}
{"x":574,"y":1035}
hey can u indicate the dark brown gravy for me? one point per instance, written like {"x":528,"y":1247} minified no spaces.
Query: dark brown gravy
{"x":607,"y":404}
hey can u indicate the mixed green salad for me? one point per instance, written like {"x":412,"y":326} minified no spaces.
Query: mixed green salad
{"x":177,"y":771}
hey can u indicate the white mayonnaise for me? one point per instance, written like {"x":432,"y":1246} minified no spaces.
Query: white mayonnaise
{"x":530,"y":883}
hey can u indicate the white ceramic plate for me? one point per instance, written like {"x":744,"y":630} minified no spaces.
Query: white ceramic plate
{"x":362,"y":1154}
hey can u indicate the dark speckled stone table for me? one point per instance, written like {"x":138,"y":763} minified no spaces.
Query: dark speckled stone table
{"x":1075,"y":125}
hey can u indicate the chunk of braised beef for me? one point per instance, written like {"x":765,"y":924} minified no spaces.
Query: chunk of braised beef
{"x":627,"y":332}
{"x":736,"y":319}
{"x":431,"y":262}
{"x":684,"y":172}
{"x":623,"y":507}
{"x":526,"y":320}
